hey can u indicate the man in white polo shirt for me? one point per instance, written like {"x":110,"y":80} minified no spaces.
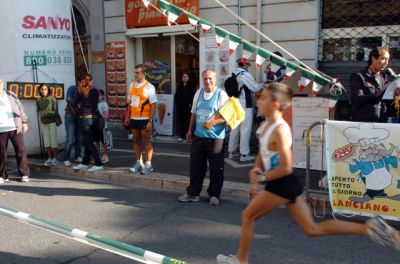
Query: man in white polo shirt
{"x":13,"y":123}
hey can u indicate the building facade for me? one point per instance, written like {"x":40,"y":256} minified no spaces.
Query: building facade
{"x":334,"y":36}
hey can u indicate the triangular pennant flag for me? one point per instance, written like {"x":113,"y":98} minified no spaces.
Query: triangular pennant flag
{"x":290,"y":69}
{"x":319,"y":82}
{"x":171,"y":11}
{"x":234,"y":42}
{"x":205,"y":25}
{"x":248,"y":49}
{"x":305,"y":79}
{"x":192,"y":19}
{"x":276,"y":63}
{"x":146,"y":3}
{"x":220,"y":35}
{"x":262,"y":55}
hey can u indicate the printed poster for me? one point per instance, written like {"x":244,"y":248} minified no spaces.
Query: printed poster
{"x":116,"y":89}
{"x":163,"y":120}
{"x":158,"y":74}
{"x":363,"y":168}
{"x":216,"y":59}
{"x":306,"y":111}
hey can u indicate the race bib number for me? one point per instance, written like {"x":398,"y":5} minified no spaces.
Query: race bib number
{"x":135,"y":101}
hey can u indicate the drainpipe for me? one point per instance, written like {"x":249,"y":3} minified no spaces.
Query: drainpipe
{"x":258,"y":38}
{"x":239,"y":12}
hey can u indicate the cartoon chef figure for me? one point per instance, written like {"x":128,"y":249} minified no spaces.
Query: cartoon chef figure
{"x":373,"y":162}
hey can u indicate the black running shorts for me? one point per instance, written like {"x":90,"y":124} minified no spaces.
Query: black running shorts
{"x":288,"y":187}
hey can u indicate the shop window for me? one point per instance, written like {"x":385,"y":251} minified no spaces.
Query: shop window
{"x":157,"y":58}
{"x":187,"y":58}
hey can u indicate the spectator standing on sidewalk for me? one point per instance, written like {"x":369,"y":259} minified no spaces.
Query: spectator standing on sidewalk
{"x":87,"y":101}
{"x":99,"y":136}
{"x":207,"y":141}
{"x":183,"y":102}
{"x":47,"y":109}
{"x":73,"y":133}
{"x":240,"y":136}
{"x":273,"y":166}
{"x":13,"y":124}
{"x":142,"y":101}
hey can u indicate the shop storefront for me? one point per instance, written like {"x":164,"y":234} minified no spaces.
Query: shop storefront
{"x":167,"y":51}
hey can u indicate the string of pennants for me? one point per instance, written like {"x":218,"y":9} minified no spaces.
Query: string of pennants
{"x":172,"y":12}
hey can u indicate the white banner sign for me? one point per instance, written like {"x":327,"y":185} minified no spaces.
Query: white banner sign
{"x":37,"y":32}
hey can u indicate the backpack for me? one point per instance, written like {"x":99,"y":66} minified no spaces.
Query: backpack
{"x":232,"y":86}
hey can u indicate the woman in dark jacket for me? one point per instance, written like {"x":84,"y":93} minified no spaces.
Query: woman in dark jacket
{"x":87,"y":100}
{"x":183,"y":101}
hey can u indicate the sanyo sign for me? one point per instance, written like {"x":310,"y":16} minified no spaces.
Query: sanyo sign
{"x":47,"y":23}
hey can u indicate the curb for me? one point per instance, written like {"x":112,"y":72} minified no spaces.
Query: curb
{"x":121,"y":175}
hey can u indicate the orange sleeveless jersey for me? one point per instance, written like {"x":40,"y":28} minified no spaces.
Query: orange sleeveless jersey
{"x":143,"y":107}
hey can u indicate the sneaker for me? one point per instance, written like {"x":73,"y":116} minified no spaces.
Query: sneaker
{"x":137,"y":167}
{"x":96,"y":168}
{"x":231,"y":259}
{"x":233,"y":155}
{"x":105,"y":160}
{"x":78,"y":160}
{"x":147,"y":169}
{"x":247,"y":158}
{"x":2,"y":180}
{"x":179,"y":139}
{"x":25,"y":179}
{"x":67,"y":163}
{"x":382,"y":233}
{"x":47,"y":163}
{"x":80,"y":167}
{"x":188,"y":198}
{"x":214,"y":200}
{"x":54,"y":162}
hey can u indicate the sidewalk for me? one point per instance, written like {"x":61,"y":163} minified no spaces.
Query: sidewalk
{"x":121,"y":175}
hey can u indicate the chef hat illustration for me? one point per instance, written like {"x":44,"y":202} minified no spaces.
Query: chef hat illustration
{"x":365,"y":135}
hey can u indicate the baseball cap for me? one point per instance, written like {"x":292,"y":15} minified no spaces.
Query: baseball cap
{"x":240,"y":63}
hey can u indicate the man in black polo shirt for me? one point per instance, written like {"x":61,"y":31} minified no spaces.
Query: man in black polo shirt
{"x":367,"y":88}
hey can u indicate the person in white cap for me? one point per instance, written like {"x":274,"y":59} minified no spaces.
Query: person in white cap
{"x":240,"y":136}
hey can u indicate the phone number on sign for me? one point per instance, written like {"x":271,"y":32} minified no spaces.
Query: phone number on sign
{"x":47,"y":60}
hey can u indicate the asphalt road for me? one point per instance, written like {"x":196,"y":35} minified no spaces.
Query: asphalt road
{"x":152,"y":219}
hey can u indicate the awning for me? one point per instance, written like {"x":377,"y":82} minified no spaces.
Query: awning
{"x":162,"y":30}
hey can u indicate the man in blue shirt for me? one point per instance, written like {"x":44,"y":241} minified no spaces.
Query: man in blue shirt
{"x":207,"y":134}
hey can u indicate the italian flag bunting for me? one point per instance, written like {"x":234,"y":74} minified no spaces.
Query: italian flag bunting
{"x":220,"y":35}
{"x":319,"y":82}
{"x":171,"y":11}
{"x":205,"y":25}
{"x":234,"y":42}
{"x":290,"y":69}
{"x":305,"y":79}
{"x":248,"y":50}
{"x":146,"y":3}
{"x":192,"y":19}
{"x":276,"y":63}
{"x":261,"y":56}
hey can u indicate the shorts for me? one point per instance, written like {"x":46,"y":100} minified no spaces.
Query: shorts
{"x":138,"y":123}
{"x":49,"y":135}
{"x":288,"y":187}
